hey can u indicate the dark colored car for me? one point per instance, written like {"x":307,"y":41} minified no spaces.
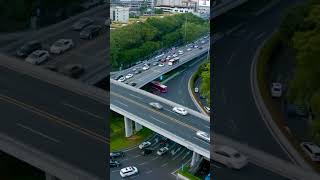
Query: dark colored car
{"x":132,"y":83}
{"x":51,"y":68}
{"x":147,"y":151}
{"x":72,"y":70}
{"x":90,"y":32}
{"x":116,"y":154}
{"x":137,"y":72}
{"x":114,"y":163}
{"x":28,"y":48}
{"x":118,"y":77}
{"x":83,"y":22}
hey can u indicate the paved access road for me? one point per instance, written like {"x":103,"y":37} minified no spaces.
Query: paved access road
{"x":68,"y":126}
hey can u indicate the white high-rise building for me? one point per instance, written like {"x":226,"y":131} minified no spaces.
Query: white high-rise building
{"x":119,"y":14}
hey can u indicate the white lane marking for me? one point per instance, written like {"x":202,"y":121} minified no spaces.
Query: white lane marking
{"x":259,"y":36}
{"x":216,"y":165}
{"x":121,"y":103}
{"x":142,"y":163}
{"x":157,"y":120}
{"x":148,"y":172}
{"x":136,"y":156}
{"x":154,"y":158}
{"x":174,"y":158}
{"x":202,"y":140}
{"x":230,"y":59}
{"x":135,"y":96}
{"x":165,"y":164}
{"x":37,"y":132}
{"x":186,"y":155}
{"x":82,"y":110}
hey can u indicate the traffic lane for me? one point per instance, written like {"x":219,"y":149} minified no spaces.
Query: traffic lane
{"x":57,"y":140}
{"x":156,"y":71}
{"x":64,"y":32}
{"x":243,"y":107}
{"x":189,"y":119}
{"x":54,"y":100}
{"x":180,"y":129}
{"x":249,"y":172}
{"x":177,"y":86}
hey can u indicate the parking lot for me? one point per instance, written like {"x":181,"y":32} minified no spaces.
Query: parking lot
{"x":152,"y":165}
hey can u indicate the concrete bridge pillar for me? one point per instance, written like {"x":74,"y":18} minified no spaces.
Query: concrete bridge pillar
{"x":137,"y":126}
{"x":195,"y":158}
{"x":128,"y":127}
{"x":50,"y":177}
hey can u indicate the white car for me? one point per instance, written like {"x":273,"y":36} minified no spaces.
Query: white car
{"x":175,"y":55}
{"x":37,"y":57}
{"x":196,"y":90}
{"x":196,"y":46}
{"x":161,"y":65}
{"x":189,"y":49}
{"x":144,"y":144}
{"x":207,"y":109}
{"x":312,"y":150}
{"x":122,"y":79}
{"x":180,"y":110}
{"x":229,"y":157}
{"x":276,"y":90}
{"x":145,"y":67}
{"x":128,"y":171}
{"x":61,"y":45}
{"x":162,"y":151}
{"x":155,"y":105}
{"x":128,"y":76}
{"x":203,"y":135}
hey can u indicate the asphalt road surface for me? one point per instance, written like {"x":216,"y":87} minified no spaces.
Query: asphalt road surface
{"x":68,"y":126}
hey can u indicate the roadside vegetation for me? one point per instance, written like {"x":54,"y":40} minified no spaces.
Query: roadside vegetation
{"x":203,"y":72}
{"x":185,"y":172}
{"x":298,"y":40}
{"x":137,"y":41}
{"x":117,"y":134}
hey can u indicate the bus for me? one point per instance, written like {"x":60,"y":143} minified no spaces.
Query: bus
{"x":173,"y":61}
{"x":159,"y":87}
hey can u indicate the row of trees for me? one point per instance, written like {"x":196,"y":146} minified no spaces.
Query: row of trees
{"x":136,"y":41}
{"x":301,"y":29}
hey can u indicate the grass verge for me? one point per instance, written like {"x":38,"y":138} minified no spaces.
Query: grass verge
{"x":118,"y":139}
{"x":185,"y":172}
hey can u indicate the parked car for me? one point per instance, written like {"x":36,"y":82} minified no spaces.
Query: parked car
{"x":28,"y":48}
{"x":180,"y":110}
{"x":203,"y":135}
{"x":122,"y":79}
{"x":81,"y":23}
{"x":312,"y":150}
{"x":137,"y":72}
{"x":128,"y":171}
{"x":276,"y":90}
{"x":116,"y":154}
{"x":155,"y":63}
{"x":229,"y":157}
{"x":114,"y":163}
{"x":147,"y":151}
{"x":162,"y":151}
{"x":72,"y":70}
{"x":144,"y":144}
{"x":61,"y":45}
{"x":132,"y":84}
{"x":90,"y":32}
{"x":161,"y":65}
{"x":37,"y":57}
{"x":118,"y":77}
{"x":53,"y":68}
{"x":155,"y":105}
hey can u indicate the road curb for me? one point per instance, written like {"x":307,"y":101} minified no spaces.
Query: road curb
{"x":266,"y":115}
